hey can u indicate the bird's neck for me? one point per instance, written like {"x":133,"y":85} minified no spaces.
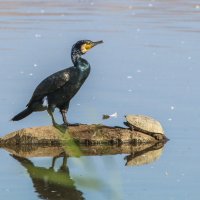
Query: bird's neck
{"x":78,"y":61}
{"x":75,"y":56}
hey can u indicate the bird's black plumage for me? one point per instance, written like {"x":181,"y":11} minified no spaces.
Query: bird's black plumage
{"x":57,"y":90}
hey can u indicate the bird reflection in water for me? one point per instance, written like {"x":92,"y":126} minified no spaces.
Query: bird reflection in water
{"x":54,"y":184}
{"x":49,"y":183}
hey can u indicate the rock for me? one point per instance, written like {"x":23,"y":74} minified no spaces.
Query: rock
{"x":82,"y":134}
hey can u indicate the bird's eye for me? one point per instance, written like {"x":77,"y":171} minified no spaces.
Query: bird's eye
{"x":88,"y":46}
{"x":85,"y":47}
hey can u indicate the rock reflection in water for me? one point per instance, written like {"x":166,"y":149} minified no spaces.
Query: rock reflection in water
{"x":57,"y":184}
{"x":150,"y":151}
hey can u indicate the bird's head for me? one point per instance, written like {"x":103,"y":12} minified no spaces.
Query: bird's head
{"x":83,"y":46}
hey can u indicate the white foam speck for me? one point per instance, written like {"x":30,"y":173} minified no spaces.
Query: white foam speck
{"x":139,"y":71}
{"x":38,"y":35}
{"x":170,"y":119}
{"x":78,"y":104}
{"x":130,"y":7}
{"x":172,"y":107}
{"x":189,"y":57}
{"x":115,"y":115}
{"x":197,"y":6}
{"x":129,"y":77}
{"x":150,"y":5}
{"x":31,"y":74}
{"x":130,"y":90}
{"x":35,"y":65}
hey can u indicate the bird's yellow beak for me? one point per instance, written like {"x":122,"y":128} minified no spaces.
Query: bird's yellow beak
{"x":87,"y":46}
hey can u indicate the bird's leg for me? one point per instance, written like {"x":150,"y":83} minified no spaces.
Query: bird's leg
{"x":53,"y":162}
{"x":66,"y":123}
{"x":63,"y":112}
{"x":50,"y":111}
{"x":63,"y":167}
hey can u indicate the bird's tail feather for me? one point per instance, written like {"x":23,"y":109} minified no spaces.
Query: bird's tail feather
{"x":22,"y":114}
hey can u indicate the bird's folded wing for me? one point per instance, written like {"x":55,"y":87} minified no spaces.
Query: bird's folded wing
{"x":51,"y":84}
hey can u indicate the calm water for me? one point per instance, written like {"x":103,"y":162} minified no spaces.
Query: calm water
{"x":148,"y":64}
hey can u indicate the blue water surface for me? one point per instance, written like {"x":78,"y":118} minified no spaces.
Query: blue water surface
{"x":148,"y":64}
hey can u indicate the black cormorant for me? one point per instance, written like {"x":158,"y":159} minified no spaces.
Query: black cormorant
{"x":57,"y":90}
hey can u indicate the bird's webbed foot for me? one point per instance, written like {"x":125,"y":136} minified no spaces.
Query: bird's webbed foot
{"x":70,"y":124}
{"x":61,"y":128}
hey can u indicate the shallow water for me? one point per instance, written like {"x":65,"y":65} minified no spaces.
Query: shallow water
{"x":148,"y":64}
